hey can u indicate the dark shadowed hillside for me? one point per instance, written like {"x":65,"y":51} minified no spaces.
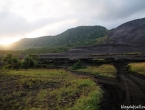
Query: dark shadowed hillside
{"x":132,"y":32}
{"x":79,"y":36}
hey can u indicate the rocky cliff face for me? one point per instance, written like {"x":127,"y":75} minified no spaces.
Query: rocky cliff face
{"x":132,"y":32}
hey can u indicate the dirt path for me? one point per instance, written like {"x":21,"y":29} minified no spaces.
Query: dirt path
{"x":126,"y":89}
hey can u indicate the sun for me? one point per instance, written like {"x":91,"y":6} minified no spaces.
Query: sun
{"x":7,"y":41}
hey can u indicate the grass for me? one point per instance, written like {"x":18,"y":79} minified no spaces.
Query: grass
{"x":137,"y":67}
{"x":107,"y":70}
{"x":47,"y":89}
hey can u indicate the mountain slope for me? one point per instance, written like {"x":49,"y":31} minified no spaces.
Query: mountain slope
{"x":132,"y":32}
{"x":79,"y":36}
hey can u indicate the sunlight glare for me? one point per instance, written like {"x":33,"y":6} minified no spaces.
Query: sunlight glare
{"x":7,"y":41}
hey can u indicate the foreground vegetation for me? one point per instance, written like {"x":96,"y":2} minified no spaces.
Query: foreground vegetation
{"x":103,"y":70}
{"x":137,"y":67}
{"x":47,"y":89}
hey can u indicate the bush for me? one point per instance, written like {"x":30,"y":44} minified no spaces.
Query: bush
{"x":78,"y":65}
{"x":12,"y":62}
{"x":29,"y":62}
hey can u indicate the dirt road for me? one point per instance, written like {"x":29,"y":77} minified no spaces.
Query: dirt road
{"x":126,"y":89}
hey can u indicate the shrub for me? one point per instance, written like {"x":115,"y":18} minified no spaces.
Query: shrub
{"x":78,"y":65}
{"x":12,"y":62}
{"x":28,"y":62}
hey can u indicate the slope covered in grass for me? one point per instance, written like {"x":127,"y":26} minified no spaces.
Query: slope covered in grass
{"x":103,"y":70}
{"x":44,"y":89}
{"x":137,"y":67}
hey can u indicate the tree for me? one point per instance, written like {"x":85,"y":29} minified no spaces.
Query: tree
{"x":12,"y":62}
{"x":78,"y":65}
{"x":29,"y":62}
{"x":16,"y":64}
{"x":8,"y":58}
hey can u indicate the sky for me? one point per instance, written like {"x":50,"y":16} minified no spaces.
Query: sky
{"x":34,"y":18}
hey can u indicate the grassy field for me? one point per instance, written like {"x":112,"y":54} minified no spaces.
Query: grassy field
{"x":103,"y":70}
{"x":47,"y":89}
{"x":137,"y":67}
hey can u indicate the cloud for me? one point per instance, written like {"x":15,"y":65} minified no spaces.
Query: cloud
{"x":123,"y":10}
{"x":30,"y":18}
{"x":12,"y":24}
{"x":108,"y":13}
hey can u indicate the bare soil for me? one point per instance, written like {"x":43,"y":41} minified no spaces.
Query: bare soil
{"x":126,"y":89}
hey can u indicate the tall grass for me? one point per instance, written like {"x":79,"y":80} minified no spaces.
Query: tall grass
{"x":103,"y":70}
{"x":44,"y":89}
{"x":137,"y":67}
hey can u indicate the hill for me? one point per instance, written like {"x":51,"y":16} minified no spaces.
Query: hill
{"x":79,"y":36}
{"x":132,"y":33}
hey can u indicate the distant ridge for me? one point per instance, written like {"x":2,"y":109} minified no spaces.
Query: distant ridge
{"x":132,"y":33}
{"x":79,"y":36}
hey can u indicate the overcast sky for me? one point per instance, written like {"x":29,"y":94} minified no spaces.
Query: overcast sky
{"x":35,"y":18}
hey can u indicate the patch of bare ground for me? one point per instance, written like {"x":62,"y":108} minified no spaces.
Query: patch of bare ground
{"x":126,"y":89}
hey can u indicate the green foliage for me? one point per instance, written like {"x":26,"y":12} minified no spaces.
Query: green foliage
{"x":78,"y":65}
{"x":45,"y":50}
{"x":101,"y":40}
{"x":29,"y":62}
{"x":39,"y":50}
{"x":12,"y":62}
{"x":80,"y":36}
{"x":8,"y":58}
{"x":16,"y":63}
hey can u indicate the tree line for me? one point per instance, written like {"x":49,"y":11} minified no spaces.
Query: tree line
{"x":13,"y":62}
{"x":31,"y":61}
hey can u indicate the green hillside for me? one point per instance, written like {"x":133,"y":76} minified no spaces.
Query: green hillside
{"x":79,"y":36}
{"x":83,"y":35}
